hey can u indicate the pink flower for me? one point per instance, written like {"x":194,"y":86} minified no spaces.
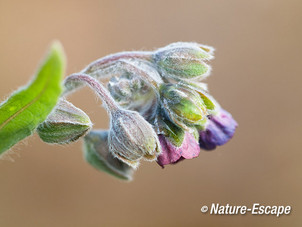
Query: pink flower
{"x":172,"y":154}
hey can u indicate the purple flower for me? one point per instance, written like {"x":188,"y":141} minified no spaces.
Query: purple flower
{"x":172,"y":154}
{"x":219,"y":130}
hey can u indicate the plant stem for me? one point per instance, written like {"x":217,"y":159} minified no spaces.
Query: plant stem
{"x":132,"y":68}
{"x":110,"y":104}
{"x":100,"y":63}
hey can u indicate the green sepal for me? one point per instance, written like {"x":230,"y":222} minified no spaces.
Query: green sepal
{"x":195,"y":133}
{"x":183,"y":105}
{"x":183,"y":60}
{"x":207,"y":99}
{"x":201,"y":124}
{"x":65,"y":124}
{"x":64,"y":133}
{"x":96,"y":153}
{"x":185,"y":71}
{"x":173,"y":132}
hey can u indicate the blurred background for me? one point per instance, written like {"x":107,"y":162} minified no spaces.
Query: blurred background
{"x":256,"y":76}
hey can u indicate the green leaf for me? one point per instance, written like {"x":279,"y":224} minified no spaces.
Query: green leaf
{"x":29,"y":106}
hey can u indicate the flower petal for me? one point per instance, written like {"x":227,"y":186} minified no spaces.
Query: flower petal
{"x":220,"y":130}
{"x":172,"y":154}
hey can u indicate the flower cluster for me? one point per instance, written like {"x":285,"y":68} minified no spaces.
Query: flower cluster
{"x":159,"y":109}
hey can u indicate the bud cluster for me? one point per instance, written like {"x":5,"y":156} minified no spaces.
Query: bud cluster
{"x":159,"y":109}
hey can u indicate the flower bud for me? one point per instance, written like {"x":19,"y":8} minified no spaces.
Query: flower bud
{"x":131,"y":138}
{"x":219,"y":130}
{"x":183,"y":105}
{"x":210,"y":103}
{"x":120,"y":88}
{"x":166,"y":127}
{"x":130,"y":90}
{"x":96,"y":153}
{"x":171,"y":154}
{"x":65,"y":124}
{"x":184,"y":60}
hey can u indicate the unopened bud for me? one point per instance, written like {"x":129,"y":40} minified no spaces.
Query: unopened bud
{"x":96,"y":153}
{"x":65,"y":124}
{"x":183,"y":105}
{"x":131,"y":138}
{"x":130,"y":90}
{"x":210,"y":103}
{"x":184,"y":60}
{"x":170,"y":130}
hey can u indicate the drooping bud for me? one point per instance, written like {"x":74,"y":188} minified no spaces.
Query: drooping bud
{"x":171,"y":154}
{"x":65,"y":124}
{"x":219,"y":129}
{"x":184,"y":60}
{"x":96,"y":153}
{"x":131,"y":138}
{"x":183,"y":105}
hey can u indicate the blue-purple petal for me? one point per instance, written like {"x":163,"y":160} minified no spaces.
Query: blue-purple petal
{"x":219,"y":130}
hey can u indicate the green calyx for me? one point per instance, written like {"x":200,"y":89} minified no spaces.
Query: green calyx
{"x":184,"y":61}
{"x":96,"y":153}
{"x":187,"y":110}
{"x":65,"y":124}
{"x":174,"y":133}
{"x":183,"y":104}
{"x":61,"y":133}
{"x":185,"y":70}
{"x":207,"y":99}
{"x":132,"y":138}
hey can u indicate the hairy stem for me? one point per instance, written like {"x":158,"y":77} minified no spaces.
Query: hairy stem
{"x":143,"y":74}
{"x":110,"y":104}
{"x":100,"y":63}
{"x":123,"y":64}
